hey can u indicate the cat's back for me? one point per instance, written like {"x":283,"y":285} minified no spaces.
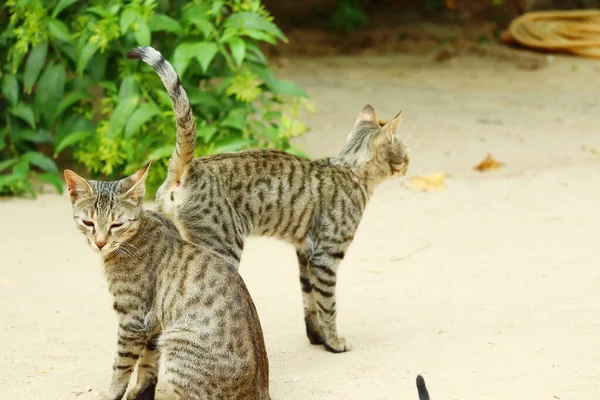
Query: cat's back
{"x":251,"y":165}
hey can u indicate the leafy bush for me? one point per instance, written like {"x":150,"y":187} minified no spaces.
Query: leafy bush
{"x":66,"y":84}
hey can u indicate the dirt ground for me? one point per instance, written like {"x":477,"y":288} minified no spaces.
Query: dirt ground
{"x":490,"y":289}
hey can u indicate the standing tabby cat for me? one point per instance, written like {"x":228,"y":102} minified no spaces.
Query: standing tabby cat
{"x":170,"y":295}
{"x":316,"y":205}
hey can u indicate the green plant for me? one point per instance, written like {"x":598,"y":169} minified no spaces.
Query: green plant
{"x":67,"y":85}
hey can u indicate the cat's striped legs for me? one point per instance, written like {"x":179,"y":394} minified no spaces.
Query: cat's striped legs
{"x":129,"y":347}
{"x":147,"y":373}
{"x":323,"y":266}
{"x":311,"y":319}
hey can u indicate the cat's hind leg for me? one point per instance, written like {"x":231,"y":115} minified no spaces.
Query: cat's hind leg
{"x":323,"y":266}
{"x":311,"y":319}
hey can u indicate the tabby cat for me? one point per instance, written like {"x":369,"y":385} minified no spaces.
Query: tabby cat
{"x":219,"y":200}
{"x":171,"y":296}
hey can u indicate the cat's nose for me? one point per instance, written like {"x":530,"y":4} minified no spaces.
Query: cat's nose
{"x":100,"y":244}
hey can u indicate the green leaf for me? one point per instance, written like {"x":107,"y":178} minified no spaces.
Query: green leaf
{"x":143,"y":114}
{"x":161,"y":152}
{"x":231,"y":144}
{"x":41,"y":161}
{"x":97,"y":66}
{"x":62,"y":4}
{"x":110,"y":86}
{"x":52,"y":179}
{"x":50,"y":89}
{"x":72,"y":98}
{"x":253,"y":21}
{"x":204,"y":52}
{"x":200,"y":97}
{"x":238,"y":50}
{"x":161,"y":22}
{"x":8,"y":163}
{"x":255,"y":54}
{"x":59,"y":30}
{"x":142,"y":34}
{"x":119,"y":118}
{"x":102,"y":12}
{"x":39,"y":136}
{"x":235,"y":119}
{"x":21,"y":168}
{"x":70,"y":123}
{"x":264,"y":74}
{"x":128,"y":88}
{"x":34,"y":65}
{"x":258,"y":35}
{"x":86,"y":55}
{"x":10,"y":89}
{"x":24,"y":112}
{"x":216,"y":6}
{"x":69,"y":140}
{"x":128,"y":17}
{"x":197,"y":14}
{"x":227,"y":34}
{"x":206,"y":132}
{"x":284,"y":87}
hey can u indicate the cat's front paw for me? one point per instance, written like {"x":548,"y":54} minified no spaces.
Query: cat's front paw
{"x":338,"y":345}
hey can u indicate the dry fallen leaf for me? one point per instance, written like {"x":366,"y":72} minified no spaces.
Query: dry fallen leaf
{"x":489,"y":163}
{"x":427,"y":183}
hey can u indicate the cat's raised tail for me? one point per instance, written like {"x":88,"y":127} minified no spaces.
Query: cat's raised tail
{"x":422,"y":389}
{"x":186,"y":127}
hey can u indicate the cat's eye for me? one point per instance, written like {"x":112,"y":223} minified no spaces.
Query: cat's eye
{"x":88,"y":223}
{"x":116,"y":225}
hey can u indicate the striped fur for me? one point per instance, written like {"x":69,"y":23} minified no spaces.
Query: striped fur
{"x":186,"y":127}
{"x":218,"y":201}
{"x":172,"y":297}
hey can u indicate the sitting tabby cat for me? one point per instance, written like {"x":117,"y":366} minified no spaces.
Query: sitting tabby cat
{"x":170,"y":295}
{"x":317,"y":205}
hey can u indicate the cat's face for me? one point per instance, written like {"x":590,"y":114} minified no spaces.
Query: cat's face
{"x":369,"y":141}
{"x":107,"y":212}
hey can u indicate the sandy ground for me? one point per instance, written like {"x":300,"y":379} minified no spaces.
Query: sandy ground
{"x":490,"y":288}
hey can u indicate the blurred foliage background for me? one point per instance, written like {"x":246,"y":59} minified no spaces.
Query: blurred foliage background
{"x":66,"y":85}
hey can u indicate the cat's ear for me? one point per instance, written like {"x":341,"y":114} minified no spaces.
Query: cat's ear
{"x":77,"y":185}
{"x":136,"y":184}
{"x":391,"y":127}
{"x":367,"y":114}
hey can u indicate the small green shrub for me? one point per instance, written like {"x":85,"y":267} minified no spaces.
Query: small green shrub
{"x":67,"y":85}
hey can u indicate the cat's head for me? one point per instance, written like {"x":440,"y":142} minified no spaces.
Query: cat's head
{"x":371,"y":143}
{"x":107,"y":213}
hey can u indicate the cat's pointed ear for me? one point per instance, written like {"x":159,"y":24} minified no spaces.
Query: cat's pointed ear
{"x":136,"y":184}
{"x":367,"y":114}
{"x":391,"y":127}
{"x":77,"y":185}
